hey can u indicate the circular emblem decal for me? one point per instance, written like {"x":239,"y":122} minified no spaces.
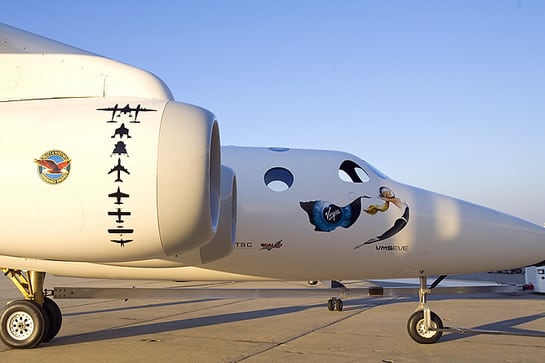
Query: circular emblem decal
{"x":53,"y":166}
{"x":332,"y":214}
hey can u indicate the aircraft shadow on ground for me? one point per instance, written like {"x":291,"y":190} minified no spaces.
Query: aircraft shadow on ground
{"x":203,"y":321}
{"x":509,"y":326}
{"x":175,"y":325}
{"x":352,"y":305}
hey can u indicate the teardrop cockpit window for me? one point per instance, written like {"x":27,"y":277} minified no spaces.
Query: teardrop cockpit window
{"x":278,"y":179}
{"x":351,"y":172}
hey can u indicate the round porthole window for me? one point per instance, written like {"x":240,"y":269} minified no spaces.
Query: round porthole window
{"x":278,"y":179}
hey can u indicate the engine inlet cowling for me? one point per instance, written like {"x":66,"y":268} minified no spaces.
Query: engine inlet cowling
{"x":188,"y":178}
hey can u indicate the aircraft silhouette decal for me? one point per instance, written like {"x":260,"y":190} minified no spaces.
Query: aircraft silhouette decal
{"x":121,"y":241}
{"x":127,"y":110}
{"x":126,"y":114}
{"x":121,"y":131}
{"x":120,"y":149}
{"x":119,"y":213}
{"x":119,"y":169}
{"x":118,"y":195}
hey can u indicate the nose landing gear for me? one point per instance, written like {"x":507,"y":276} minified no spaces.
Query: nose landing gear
{"x":424,"y":326}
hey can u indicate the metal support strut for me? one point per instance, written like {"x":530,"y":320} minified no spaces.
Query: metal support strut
{"x":31,"y":285}
{"x":423,"y":292}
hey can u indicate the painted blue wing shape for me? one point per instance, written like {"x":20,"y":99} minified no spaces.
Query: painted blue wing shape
{"x":326,"y":216}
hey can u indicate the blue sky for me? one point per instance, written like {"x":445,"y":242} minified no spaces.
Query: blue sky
{"x":444,"y":95}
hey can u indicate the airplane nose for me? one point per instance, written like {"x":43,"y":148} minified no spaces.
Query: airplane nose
{"x":468,"y":237}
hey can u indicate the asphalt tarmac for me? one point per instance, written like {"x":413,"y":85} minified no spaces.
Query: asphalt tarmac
{"x":279,"y":329}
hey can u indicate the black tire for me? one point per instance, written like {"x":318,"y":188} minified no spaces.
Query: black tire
{"x":415,"y":327}
{"x":339,"y":305}
{"x":22,"y":324}
{"x":54,"y":316}
{"x":331,"y":304}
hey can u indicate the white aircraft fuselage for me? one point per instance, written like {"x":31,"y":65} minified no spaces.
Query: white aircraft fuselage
{"x":422,"y":232}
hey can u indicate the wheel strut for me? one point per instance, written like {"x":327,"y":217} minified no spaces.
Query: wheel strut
{"x":31,"y":285}
{"x":423,"y":292}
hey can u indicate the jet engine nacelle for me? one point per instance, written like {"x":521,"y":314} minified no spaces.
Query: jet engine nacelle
{"x":223,"y":242}
{"x":107,"y":179}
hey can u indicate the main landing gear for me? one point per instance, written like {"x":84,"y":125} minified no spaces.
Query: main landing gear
{"x":28,"y":322}
{"x":424,"y":326}
{"x":335,"y":303}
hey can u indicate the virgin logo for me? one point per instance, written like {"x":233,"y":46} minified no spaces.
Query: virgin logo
{"x":332,"y":214}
